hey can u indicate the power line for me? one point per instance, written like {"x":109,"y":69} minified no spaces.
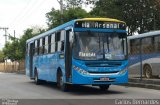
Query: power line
{"x":32,"y":10}
{"x":29,"y":9}
{"x":29,"y":12}
{"x":21,"y":13}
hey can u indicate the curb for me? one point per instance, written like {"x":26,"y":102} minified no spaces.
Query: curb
{"x":141,"y":85}
{"x":144,"y":83}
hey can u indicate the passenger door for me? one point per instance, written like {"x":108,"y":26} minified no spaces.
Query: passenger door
{"x":68,"y":54}
{"x":31,"y":59}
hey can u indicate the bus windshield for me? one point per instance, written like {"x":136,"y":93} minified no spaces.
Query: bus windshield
{"x":100,"y":46}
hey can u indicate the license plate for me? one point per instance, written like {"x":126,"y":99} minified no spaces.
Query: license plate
{"x":104,"y":79}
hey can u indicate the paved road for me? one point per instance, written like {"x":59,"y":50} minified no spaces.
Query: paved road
{"x":21,"y":87}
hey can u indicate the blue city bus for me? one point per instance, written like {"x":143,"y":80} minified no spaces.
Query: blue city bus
{"x":88,"y":51}
{"x":144,"y":54}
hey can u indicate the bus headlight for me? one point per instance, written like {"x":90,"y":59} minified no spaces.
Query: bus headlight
{"x":123,"y":71}
{"x":80,"y":70}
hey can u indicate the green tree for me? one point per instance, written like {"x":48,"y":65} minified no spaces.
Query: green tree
{"x":77,"y":3}
{"x":1,"y":56}
{"x":15,"y":50}
{"x":28,"y":33}
{"x":140,"y":15}
{"x":11,"y":51}
{"x":73,"y":3}
{"x":54,"y":16}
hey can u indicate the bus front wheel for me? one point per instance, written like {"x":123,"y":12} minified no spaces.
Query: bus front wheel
{"x":37,"y":80}
{"x":147,"y":71}
{"x":60,"y":82}
{"x":104,"y":87}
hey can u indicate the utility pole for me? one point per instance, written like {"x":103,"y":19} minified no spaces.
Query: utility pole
{"x":14,"y":33}
{"x":61,"y":9}
{"x":5,"y":30}
{"x":61,"y":5}
{"x":14,"y":43}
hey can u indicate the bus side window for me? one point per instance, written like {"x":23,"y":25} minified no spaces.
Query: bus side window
{"x":40,"y":47}
{"x":49,"y":44}
{"x":62,"y":40}
{"x":157,"y":43}
{"x":134,"y":46}
{"x":46,"y":45}
{"x":59,"y":46}
{"x":147,"y":45}
{"x":57,"y":37}
{"x":62,"y":46}
{"x":35,"y":47}
{"x":38,"y":42}
{"x":53,"y":43}
{"x":43,"y":44}
{"x":62,"y":35}
{"x":71,"y":36}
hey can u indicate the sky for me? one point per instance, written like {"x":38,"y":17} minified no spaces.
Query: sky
{"x":19,"y":15}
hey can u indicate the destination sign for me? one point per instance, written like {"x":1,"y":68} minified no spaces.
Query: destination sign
{"x":100,"y":25}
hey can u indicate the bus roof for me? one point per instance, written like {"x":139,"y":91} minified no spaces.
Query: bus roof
{"x":152,"y":33}
{"x":71,"y":23}
{"x":100,"y":19}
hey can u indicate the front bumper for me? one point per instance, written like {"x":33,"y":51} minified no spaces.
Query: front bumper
{"x":78,"y":78}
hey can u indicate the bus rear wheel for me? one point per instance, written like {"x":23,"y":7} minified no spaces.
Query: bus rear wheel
{"x":37,"y":80}
{"x":60,"y":82}
{"x":147,"y":71}
{"x":104,"y":87}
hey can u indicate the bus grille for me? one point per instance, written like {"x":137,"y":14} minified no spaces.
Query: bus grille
{"x":102,"y":64}
{"x":101,"y":72}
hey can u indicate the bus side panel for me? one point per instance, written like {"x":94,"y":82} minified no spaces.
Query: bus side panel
{"x":27,"y":63}
{"x":134,"y":65}
{"x":52,"y":67}
{"x":55,"y":64}
{"x":152,"y":60}
{"x":36,"y":65}
{"x":47,"y":66}
{"x":40,"y":64}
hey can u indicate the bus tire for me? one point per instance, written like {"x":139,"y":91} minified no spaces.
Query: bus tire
{"x":60,"y":81}
{"x":37,"y":80}
{"x":104,"y":87}
{"x":147,"y":71}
